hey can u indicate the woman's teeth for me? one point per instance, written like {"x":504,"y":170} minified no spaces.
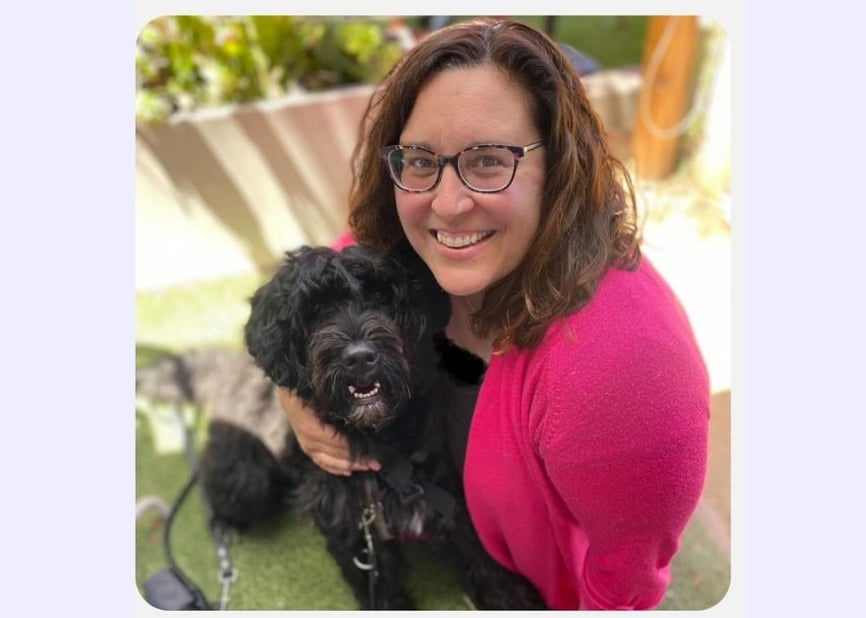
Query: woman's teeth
{"x":458,"y":241}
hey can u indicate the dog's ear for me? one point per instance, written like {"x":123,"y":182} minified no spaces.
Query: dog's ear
{"x":284,"y":312}
{"x":425,"y":300}
{"x":426,"y":296}
{"x":401,"y":280}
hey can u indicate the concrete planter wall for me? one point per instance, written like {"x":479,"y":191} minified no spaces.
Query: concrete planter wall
{"x":226,"y":191}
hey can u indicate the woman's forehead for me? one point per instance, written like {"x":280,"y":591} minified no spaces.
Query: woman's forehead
{"x":465,"y":105}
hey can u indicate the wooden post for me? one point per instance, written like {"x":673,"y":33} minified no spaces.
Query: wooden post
{"x":667,"y":65}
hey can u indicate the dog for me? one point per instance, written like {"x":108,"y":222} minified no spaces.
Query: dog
{"x":358,"y":335}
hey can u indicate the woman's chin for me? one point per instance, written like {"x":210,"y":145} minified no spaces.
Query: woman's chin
{"x":458,"y":284}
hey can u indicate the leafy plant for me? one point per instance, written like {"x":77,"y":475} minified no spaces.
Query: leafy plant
{"x":187,"y":62}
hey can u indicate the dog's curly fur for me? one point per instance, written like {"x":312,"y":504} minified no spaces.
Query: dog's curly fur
{"x":358,"y":335}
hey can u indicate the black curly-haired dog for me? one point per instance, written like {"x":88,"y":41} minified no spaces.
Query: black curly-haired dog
{"x":358,"y":335}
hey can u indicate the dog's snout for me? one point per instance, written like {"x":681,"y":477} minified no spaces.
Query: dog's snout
{"x":359,"y":355}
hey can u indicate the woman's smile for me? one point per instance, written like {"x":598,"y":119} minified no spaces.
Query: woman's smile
{"x":461,"y":240}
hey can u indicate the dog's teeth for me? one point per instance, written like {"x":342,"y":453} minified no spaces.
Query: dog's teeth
{"x":365,"y":394}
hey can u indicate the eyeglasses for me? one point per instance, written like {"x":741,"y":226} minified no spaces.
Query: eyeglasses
{"x":486,"y":168}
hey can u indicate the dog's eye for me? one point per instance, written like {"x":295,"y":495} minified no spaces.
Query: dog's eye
{"x":377,"y":295}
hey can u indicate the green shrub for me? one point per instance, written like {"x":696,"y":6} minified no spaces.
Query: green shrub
{"x":187,"y":62}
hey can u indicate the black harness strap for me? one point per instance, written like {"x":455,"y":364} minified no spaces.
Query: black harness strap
{"x":398,"y":474}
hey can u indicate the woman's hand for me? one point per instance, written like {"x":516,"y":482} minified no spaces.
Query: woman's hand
{"x":321,"y":443}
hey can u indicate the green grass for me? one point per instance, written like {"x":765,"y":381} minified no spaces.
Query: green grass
{"x":200,"y":314}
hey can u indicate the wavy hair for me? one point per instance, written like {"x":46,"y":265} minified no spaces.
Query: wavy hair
{"x":588,"y":218}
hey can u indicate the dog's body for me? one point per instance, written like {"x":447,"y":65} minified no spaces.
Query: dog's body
{"x":358,"y":336}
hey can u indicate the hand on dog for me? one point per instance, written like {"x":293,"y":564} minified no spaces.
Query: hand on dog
{"x":322,"y":444}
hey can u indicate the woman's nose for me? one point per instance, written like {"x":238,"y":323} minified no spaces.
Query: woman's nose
{"x":451,"y":197}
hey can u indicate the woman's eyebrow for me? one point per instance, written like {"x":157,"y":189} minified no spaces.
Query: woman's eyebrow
{"x":472,"y":144}
{"x":404,"y":142}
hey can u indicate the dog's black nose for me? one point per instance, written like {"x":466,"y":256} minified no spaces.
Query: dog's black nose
{"x":359,"y":355}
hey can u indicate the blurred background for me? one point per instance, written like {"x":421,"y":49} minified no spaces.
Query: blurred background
{"x":244,"y":130}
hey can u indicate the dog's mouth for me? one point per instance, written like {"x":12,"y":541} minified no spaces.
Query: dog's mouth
{"x":363,"y":394}
{"x":369,"y":408}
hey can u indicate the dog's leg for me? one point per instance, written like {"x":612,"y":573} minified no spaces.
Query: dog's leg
{"x":487,"y":583}
{"x":493,"y":587}
{"x":392,"y":576}
{"x":242,"y":480}
{"x":349,"y":551}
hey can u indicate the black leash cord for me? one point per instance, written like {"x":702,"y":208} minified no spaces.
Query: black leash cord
{"x":200,"y":599}
{"x":175,"y":507}
{"x":173,"y":589}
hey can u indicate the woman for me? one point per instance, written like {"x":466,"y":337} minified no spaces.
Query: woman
{"x":587,"y":449}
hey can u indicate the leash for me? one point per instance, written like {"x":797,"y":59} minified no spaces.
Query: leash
{"x":171,"y":588}
{"x":371,"y":515}
{"x":369,"y":552}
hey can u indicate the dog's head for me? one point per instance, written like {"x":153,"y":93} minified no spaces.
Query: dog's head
{"x":351,"y":332}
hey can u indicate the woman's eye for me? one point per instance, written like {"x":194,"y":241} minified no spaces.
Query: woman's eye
{"x":420,"y":162}
{"x":488,"y":159}
{"x":490,"y":162}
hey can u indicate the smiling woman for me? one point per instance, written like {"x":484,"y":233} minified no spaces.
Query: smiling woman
{"x":586,"y":451}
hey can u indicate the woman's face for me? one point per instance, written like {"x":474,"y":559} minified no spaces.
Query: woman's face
{"x":471,"y":240}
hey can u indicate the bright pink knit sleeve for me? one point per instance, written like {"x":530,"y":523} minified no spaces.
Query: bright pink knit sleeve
{"x":623,"y":442}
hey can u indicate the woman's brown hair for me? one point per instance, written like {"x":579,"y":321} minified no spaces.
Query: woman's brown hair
{"x":588,"y":207}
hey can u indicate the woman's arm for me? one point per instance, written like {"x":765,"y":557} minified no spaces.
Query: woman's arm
{"x":321,"y":443}
{"x":623,"y":441}
{"x":626,"y":453}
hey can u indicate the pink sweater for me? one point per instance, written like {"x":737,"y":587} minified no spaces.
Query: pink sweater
{"x":587,"y":453}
